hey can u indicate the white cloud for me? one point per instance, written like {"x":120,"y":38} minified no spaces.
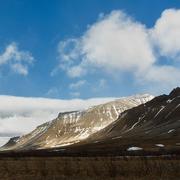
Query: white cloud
{"x":17,"y":60}
{"x":77,"y":84}
{"x":109,"y":44}
{"x":19,"y":115}
{"x":76,"y":71}
{"x":166,"y":33}
{"x":162,"y":74}
{"x":160,"y":78}
{"x":118,"y":44}
{"x":19,"y":68}
{"x":68,"y":50}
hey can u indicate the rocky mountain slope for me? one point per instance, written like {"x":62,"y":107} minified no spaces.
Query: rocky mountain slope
{"x":152,"y":126}
{"x":73,"y":127}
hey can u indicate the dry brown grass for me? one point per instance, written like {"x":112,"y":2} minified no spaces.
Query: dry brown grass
{"x":84,"y":168}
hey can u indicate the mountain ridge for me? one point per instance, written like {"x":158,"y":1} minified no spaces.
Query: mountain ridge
{"x":153,"y":126}
{"x":72,"y":127}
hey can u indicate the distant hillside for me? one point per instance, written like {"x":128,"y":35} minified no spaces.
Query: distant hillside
{"x":73,"y":127}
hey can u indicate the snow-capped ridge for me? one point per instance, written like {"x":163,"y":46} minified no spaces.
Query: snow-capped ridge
{"x":74,"y":126}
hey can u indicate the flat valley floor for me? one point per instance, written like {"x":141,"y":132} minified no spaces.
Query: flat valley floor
{"x":87,"y":168}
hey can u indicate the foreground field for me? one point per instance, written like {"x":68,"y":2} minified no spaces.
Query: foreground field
{"x":84,"y":168}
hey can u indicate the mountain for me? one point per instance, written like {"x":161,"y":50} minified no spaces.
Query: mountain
{"x":153,"y":126}
{"x":73,"y":127}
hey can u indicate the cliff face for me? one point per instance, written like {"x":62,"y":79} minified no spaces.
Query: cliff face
{"x":73,"y":127}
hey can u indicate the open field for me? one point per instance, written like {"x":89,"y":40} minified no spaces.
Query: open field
{"x":84,"y":168}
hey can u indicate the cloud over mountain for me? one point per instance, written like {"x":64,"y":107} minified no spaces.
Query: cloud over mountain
{"x":119,"y":44}
{"x":19,"y":115}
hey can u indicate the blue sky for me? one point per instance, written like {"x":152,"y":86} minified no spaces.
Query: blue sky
{"x":37,"y":30}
